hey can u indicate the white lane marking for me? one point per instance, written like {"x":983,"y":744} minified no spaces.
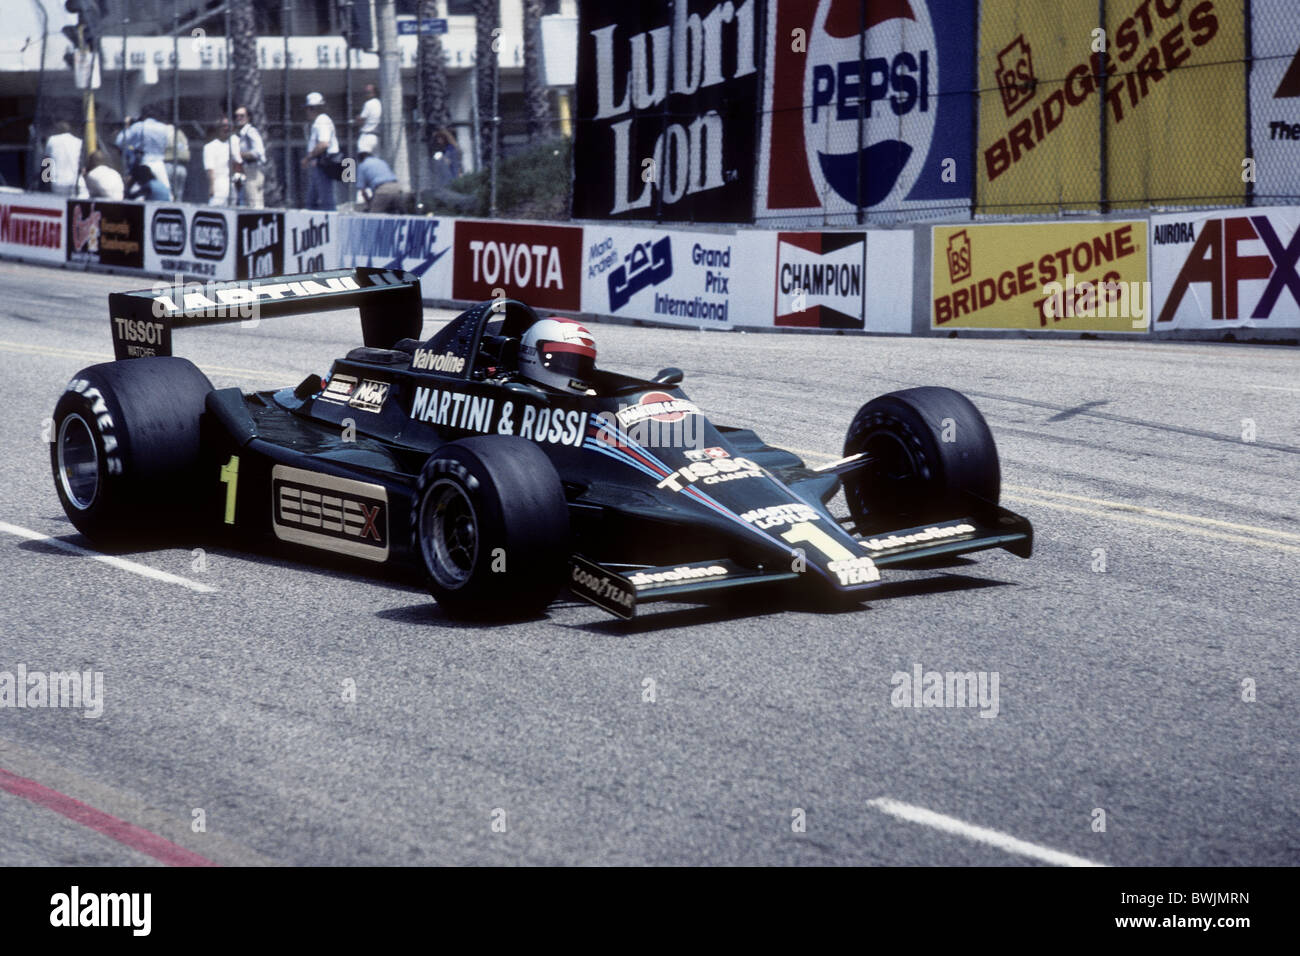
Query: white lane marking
{"x":121,"y":563}
{"x":1003,"y":841}
{"x":1155,"y":512}
{"x":1275,"y":388}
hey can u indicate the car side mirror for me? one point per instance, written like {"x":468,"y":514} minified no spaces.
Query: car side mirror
{"x":669,"y":376}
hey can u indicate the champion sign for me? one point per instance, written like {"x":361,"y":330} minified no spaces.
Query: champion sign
{"x":883,"y":68}
{"x":666,"y":103}
{"x":820,"y":279}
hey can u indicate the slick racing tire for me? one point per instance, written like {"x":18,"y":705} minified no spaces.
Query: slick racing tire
{"x":930,"y":450}
{"x":124,"y":446}
{"x":491,"y":526}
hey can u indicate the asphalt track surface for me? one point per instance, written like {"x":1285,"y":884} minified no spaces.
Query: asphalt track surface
{"x":1119,"y":689}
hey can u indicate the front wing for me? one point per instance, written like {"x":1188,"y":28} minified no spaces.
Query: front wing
{"x":620,"y":590}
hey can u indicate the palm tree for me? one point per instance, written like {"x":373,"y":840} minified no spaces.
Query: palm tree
{"x":487,"y":20}
{"x":536,"y":101}
{"x":247,"y":83}
{"x":393,"y":125}
{"x":432,"y":79}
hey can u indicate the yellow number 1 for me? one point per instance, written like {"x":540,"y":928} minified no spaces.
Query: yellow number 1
{"x":230,"y":476}
{"x":808,"y":532}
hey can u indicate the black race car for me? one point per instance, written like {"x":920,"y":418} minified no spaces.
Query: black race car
{"x":501,"y":488}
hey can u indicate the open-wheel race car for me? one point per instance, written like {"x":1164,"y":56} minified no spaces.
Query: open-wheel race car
{"x":498,"y":459}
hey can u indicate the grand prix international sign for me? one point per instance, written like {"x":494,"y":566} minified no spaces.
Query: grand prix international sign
{"x":667,"y":98}
{"x":1225,"y":270}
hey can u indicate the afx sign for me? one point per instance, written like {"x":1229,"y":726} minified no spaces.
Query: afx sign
{"x":1221,"y":270}
{"x":667,"y":95}
{"x":897,"y":75}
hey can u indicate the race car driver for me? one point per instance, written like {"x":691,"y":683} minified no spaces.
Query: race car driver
{"x":559,"y":354}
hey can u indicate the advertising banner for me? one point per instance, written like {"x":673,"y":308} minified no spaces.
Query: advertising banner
{"x":697,"y":279}
{"x":418,"y":245}
{"x":32,"y":226}
{"x":259,"y":244}
{"x":1039,"y":142}
{"x":189,"y":241}
{"x":844,"y":280}
{"x":1275,"y":97}
{"x":896,"y":77}
{"x":539,"y":265}
{"x":1175,"y":110}
{"x":1076,"y":276}
{"x":667,"y":98}
{"x":310,"y":241}
{"x":106,"y":233}
{"x":1220,"y":270}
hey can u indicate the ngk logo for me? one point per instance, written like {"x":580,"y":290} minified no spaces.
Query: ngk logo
{"x":1016,"y":74}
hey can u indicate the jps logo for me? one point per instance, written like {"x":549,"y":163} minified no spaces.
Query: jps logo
{"x":1016,"y":75}
{"x":891,"y":88}
{"x":959,"y":260}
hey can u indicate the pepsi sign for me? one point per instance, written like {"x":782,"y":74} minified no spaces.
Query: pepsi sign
{"x":867,"y":106}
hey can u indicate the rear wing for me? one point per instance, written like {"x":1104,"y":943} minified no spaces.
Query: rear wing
{"x":389,"y":300}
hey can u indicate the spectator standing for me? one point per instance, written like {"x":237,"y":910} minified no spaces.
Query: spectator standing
{"x":145,"y":141}
{"x":63,"y":150}
{"x":143,"y":184}
{"x":252,"y":156}
{"x":102,"y":180}
{"x":372,"y":111}
{"x":446,"y":157}
{"x":378,"y":186}
{"x":218,"y":154}
{"x":177,"y":158}
{"x":322,"y":148}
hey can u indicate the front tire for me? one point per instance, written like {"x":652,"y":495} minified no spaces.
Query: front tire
{"x":125,"y":446}
{"x":932,"y":453}
{"x":491,"y":526}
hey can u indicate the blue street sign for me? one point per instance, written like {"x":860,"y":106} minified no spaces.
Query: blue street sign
{"x":427,"y":26}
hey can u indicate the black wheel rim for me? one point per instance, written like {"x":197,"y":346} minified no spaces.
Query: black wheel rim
{"x":894,"y":483}
{"x":448,"y":534}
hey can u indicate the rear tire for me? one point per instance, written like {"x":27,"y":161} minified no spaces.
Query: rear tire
{"x":491,"y":526}
{"x":917,"y":477}
{"x":125,"y":446}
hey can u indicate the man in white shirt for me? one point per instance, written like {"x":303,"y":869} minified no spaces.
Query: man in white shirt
{"x":251,"y":152}
{"x":372,"y":111}
{"x":322,"y":148}
{"x":63,"y":161}
{"x":217,"y":157}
